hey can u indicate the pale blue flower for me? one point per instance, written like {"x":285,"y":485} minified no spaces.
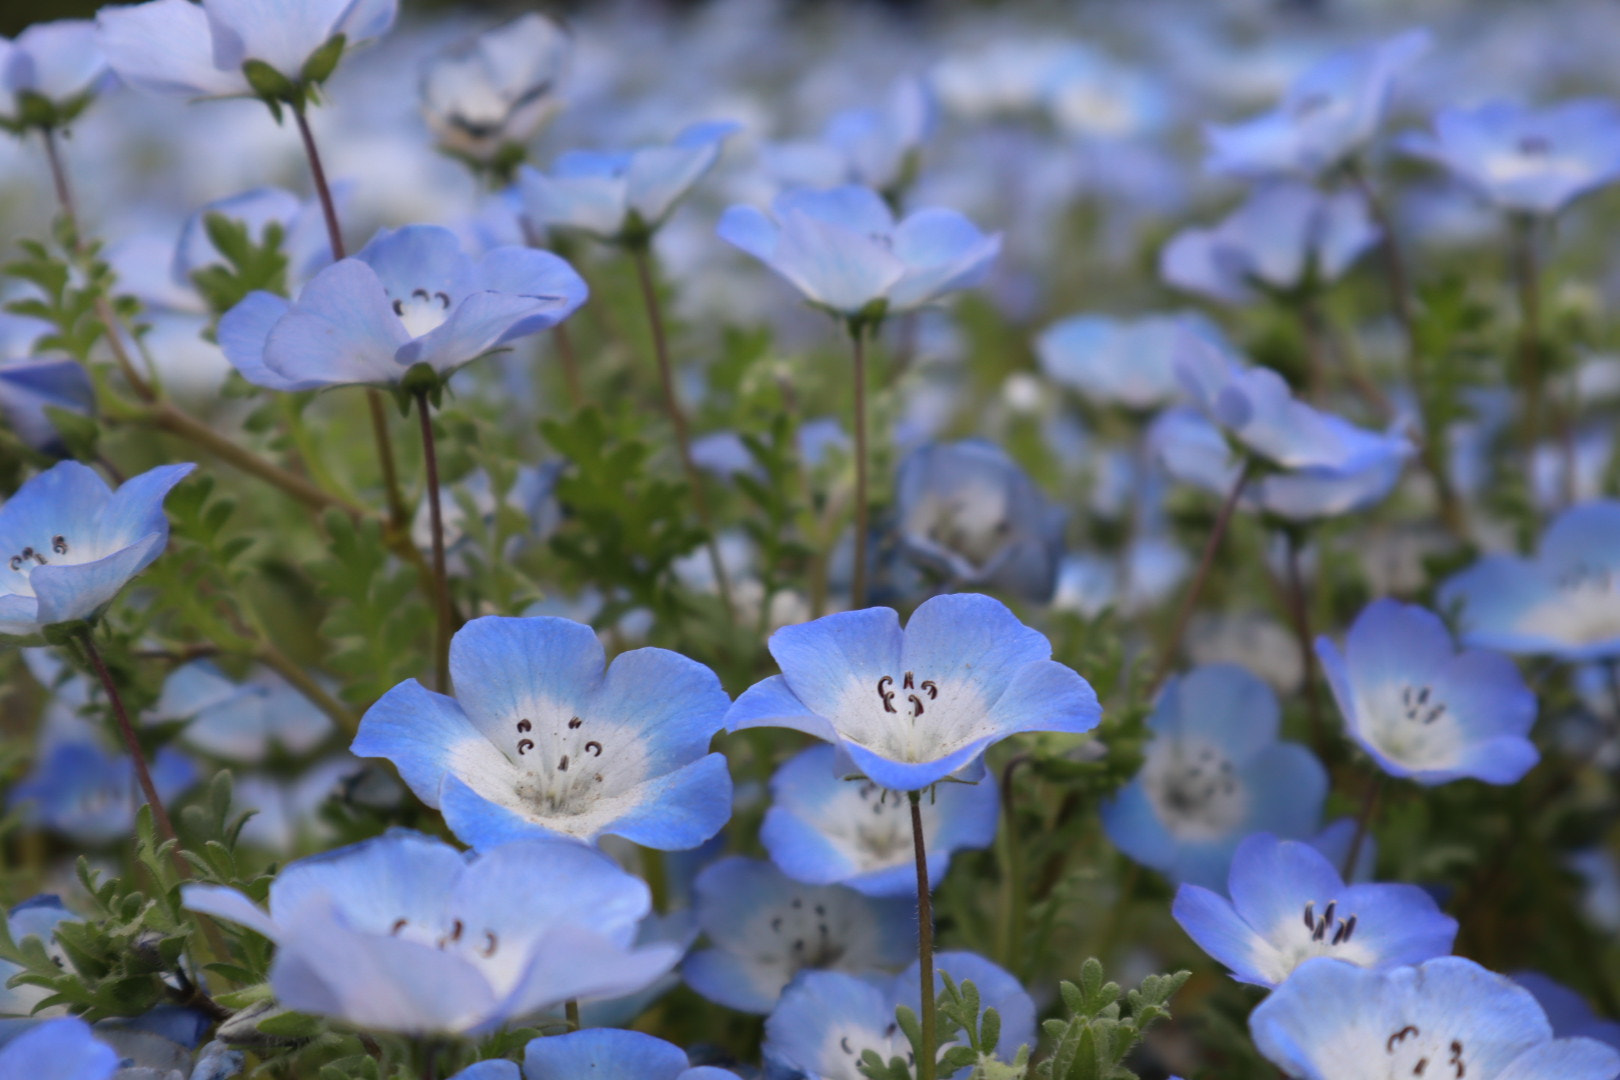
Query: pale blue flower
{"x":1567,"y":1011}
{"x":1126,"y":362}
{"x":239,"y":719}
{"x":876,"y":147}
{"x":30,"y":387}
{"x":605,"y":1054}
{"x":62,"y":1049}
{"x":49,"y":73}
{"x":497,"y":89}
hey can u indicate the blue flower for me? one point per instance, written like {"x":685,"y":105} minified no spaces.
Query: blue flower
{"x":1283,"y":238}
{"x":765,"y":928}
{"x":1448,"y":1017}
{"x":621,"y":197}
{"x":83,"y":791}
{"x":541,"y":740}
{"x":531,"y":498}
{"x":70,"y":544}
{"x":843,"y":249}
{"x":908,"y":708}
{"x":1567,"y":1011}
{"x":605,"y":1054}
{"x":239,"y":720}
{"x":201,"y":50}
{"x":967,"y":511}
{"x":1289,"y":904}
{"x":1127,"y":362}
{"x":31,"y":386}
{"x":826,"y":830}
{"x":1563,"y":602}
{"x":49,"y":73}
{"x":827,"y":1019}
{"x":497,"y":89}
{"x":1214,"y":774}
{"x":876,"y":147}
{"x":1423,"y":710}
{"x":35,"y":917}
{"x":1531,"y":161}
{"x":405,"y":933}
{"x":62,"y":1049}
{"x":410,"y":297}
{"x":1330,"y":113}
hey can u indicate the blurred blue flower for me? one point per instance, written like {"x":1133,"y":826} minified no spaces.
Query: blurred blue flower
{"x":238,"y":720}
{"x":61,"y":1049}
{"x":1334,"y":1021}
{"x":824,"y":829}
{"x":1214,"y":774}
{"x":969,"y":512}
{"x":492,"y":1069}
{"x":495,"y":90}
{"x":764,"y":928}
{"x":1327,"y":116}
{"x":410,"y":297}
{"x":678,"y":930}
{"x":202,"y":50}
{"x":907,"y":708}
{"x":530,"y":499}
{"x":1530,"y":161}
{"x":1567,"y":1011}
{"x":35,"y":917}
{"x":49,"y":73}
{"x":80,"y":790}
{"x":71,"y":544}
{"x":1289,"y":904}
{"x":1424,"y":711}
{"x":28,"y":387}
{"x":621,"y":197}
{"x":605,"y":1054}
{"x":1284,"y":238}
{"x":405,"y":933}
{"x":1126,"y":362}
{"x":1563,"y":602}
{"x":541,"y":740}
{"x":877,"y":147}
{"x":843,"y":249}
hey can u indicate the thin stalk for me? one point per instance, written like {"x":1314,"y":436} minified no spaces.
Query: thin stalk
{"x":570,"y":364}
{"x":925,"y":944}
{"x":442,"y":614}
{"x":1299,"y":613}
{"x":1189,"y":601}
{"x":143,"y":775}
{"x":858,"y":584}
{"x":1532,"y":370}
{"x":374,"y":400}
{"x":1013,"y":899}
{"x":1369,"y":808}
{"x":288,"y":668}
{"x":677,"y":418}
{"x":571,"y":1011}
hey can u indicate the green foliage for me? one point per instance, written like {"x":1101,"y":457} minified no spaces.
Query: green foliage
{"x":69,"y":291}
{"x":1093,"y":1041}
{"x":376,"y":611}
{"x":249,"y":264}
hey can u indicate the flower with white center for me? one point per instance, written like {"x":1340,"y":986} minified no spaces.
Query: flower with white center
{"x":764,"y":929}
{"x":543,"y":738}
{"x":1563,"y":602}
{"x":908,"y":708}
{"x":1214,"y":773}
{"x":1289,"y":905}
{"x":69,"y":544}
{"x":1446,"y":1019}
{"x":496,"y":90}
{"x":49,"y":73}
{"x":824,"y":829}
{"x":1423,"y":710}
{"x":405,"y":933}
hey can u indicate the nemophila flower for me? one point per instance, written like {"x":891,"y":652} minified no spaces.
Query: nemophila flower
{"x":678,"y":929}
{"x":61,"y":1049}
{"x":621,"y":197}
{"x":1529,"y":161}
{"x":1335,"y":841}
{"x":877,"y":147}
{"x":843,"y":249}
{"x":1099,"y":98}
{"x":540,"y":740}
{"x":409,"y":299}
{"x":1127,"y":362}
{"x":967,"y":511}
{"x":70,"y":544}
{"x":1139,"y":579}
{"x":1284,"y":238}
{"x":405,"y":933}
{"x":287,"y":809}
{"x":764,"y":928}
{"x":1214,"y":774}
{"x":1567,"y":1011}
{"x":1423,"y":710}
{"x":80,"y":790}
{"x":1563,"y":602}
{"x":527,"y":510}
{"x":1289,"y":904}
{"x":48,"y":74}
{"x":235,"y":719}
{"x":224,"y":48}
{"x":827,"y":1019}
{"x":1447,"y":1018}
{"x":824,"y":829}
{"x":907,"y":708}
{"x":494,"y":91}
{"x":29,"y":388}
{"x":35,"y":917}
{"x":606,"y":1054}
{"x":1327,"y":116}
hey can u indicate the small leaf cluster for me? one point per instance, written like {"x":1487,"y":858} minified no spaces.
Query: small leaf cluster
{"x":1098,"y":1034}
{"x":250,"y":265}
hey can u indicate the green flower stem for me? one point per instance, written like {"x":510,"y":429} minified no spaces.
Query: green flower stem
{"x":1364,"y":820}
{"x":1532,"y":362}
{"x":1299,"y":613}
{"x":925,"y":945}
{"x":858,"y":583}
{"x":441,"y":593}
{"x":570,"y":364}
{"x":571,"y":1010}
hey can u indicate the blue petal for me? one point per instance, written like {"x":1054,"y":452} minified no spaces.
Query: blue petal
{"x":852,"y":207}
{"x":838,"y":658}
{"x":482,"y":824}
{"x":1220,"y":703}
{"x":427,"y":737}
{"x":1268,"y":875}
{"x":243,"y":332}
{"x":341,"y":330}
{"x":1215,"y":927}
{"x":62,"y":1049}
{"x":538,"y":668}
{"x":400,"y":874}
{"x":833,"y":265}
{"x":675,"y":704}
{"x":1135,"y":828}
{"x":494,"y":1069}
{"x":165,"y":47}
{"x":603,"y":1054}
{"x":771,"y":703}
{"x":1287,"y":786}
{"x":749,"y":228}
{"x":682,"y":809}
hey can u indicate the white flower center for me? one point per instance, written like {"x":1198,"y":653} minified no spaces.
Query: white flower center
{"x":561,"y":774}
{"x":1434,"y":1055}
{"x":1321,"y":931}
{"x":1584,"y":610}
{"x":1412,"y":725}
{"x":422,"y":312}
{"x":21,"y":563}
{"x":1194,"y":789}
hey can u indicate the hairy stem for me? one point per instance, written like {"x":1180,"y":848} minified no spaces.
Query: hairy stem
{"x":1189,"y":601}
{"x":925,"y":944}
{"x":442,"y":613}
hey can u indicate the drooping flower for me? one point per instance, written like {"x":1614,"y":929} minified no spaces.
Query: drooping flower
{"x":48,"y":74}
{"x":1423,"y":710}
{"x":966,"y":510}
{"x":843,"y":249}
{"x":1127,"y":362}
{"x":1563,"y":602}
{"x":410,"y":299}
{"x":487,"y":96}
{"x":239,"y":720}
{"x":543,"y":738}
{"x":1289,"y":904}
{"x":70,"y":544}
{"x":1448,"y":1017}
{"x":606,"y":1054}
{"x":825,"y":830}
{"x":764,"y":928}
{"x":1214,"y":774}
{"x":1330,"y":113}
{"x":405,"y":933}
{"x":225,"y":48}
{"x":907,"y":708}
{"x":621,"y":198}
{"x":60,"y":1049}
{"x":1524,"y":160}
